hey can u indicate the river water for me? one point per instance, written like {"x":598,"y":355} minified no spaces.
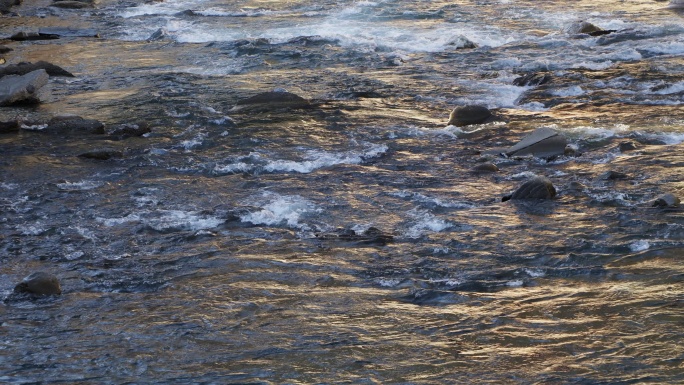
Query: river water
{"x":213,"y":251}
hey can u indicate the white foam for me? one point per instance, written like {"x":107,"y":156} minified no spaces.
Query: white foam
{"x":281,"y":209}
{"x":314,"y":160}
{"x":534,"y":273}
{"x":640,"y":245}
{"x":420,"y":198}
{"x":32,"y":229}
{"x":388,"y":282}
{"x":672,"y":89}
{"x":425,"y":223}
{"x":569,"y":91}
{"x":167,"y":220}
{"x":79,"y":186}
{"x":515,"y":283}
{"x":593,"y":133}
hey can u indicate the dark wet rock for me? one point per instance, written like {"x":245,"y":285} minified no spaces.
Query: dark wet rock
{"x":576,"y":187}
{"x":67,"y":4}
{"x":64,"y":124}
{"x":583,"y":27}
{"x":462,"y":42}
{"x":160,"y":34}
{"x":535,"y":188}
{"x":9,"y":127}
{"x":467,"y":115}
{"x":371,"y":236}
{"x":188,"y":12}
{"x":127,"y":130}
{"x":542,"y":143}
{"x":627,"y":146}
{"x":309,"y":41}
{"x":24,"y":67}
{"x":40,"y":284}
{"x":613,"y":175}
{"x":5,"y":49}
{"x":27,"y":36}
{"x":666,"y":200}
{"x":22,"y":88}
{"x":6,"y":5}
{"x":533,"y":79}
{"x":484,"y":168}
{"x":68,"y":32}
{"x":105,"y":153}
{"x":273,"y":100}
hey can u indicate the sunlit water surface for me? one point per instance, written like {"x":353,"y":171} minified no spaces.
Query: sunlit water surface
{"x":199,"y":257}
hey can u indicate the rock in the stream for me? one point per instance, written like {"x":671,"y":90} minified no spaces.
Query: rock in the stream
{"x":372,"y":236}
{"x":104,"y":153}
{"x":127,"y":130}
{"x":542,"y":143}
{"x":5,"y":49}
{"x":23,"y":68}
{"x":6,"y":5}
{"x":277,"y":99}
{"x":68,"y":32}
{"x":39,"y":283}
{"x":536,"y":188}
{"x":627,"y":146}
{"x":533,"y":79}
{"x":25,"y":36}
{"x":63,"y":124}
{"x":484,"y":168}
{"x":160,"y":34}
{"x":22,"y":88}
{"x":613,"y":175}
{"x":467,"y":115}
{"x":68,"y":4}
{"x":666,"y":200}
{"x":10,"y":126}
{"x":584,"y":27}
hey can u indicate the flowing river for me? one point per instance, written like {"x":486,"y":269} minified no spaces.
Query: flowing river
{"x":235,"y":246}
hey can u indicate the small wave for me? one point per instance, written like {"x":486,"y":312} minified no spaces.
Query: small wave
{"x":425,"y":223}
{"x":167,"y":220}
{"x":79,"y":186}
{"x":314,"y":160}
{"x":281,"y":209}
{"x":420,"y":198}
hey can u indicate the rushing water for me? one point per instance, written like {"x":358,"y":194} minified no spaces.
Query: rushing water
{"x":205,"y":254}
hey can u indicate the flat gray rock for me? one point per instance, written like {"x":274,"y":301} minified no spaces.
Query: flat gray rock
{"x":68,"y":32}
{"x":542,"y":143}
{"x":22,"y":88}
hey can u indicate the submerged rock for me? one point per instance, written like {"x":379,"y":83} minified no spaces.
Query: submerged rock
{"x":74,"y":124}
{"x":533,"y":79}
{"x":542,"y":143}
{"x":536,"y":188}
{"x":68,"y":32}
{"x":22,"y":88}
{"x":105,"y":153}
{"x":627,"y":146}
{"x":370,"y":236}
{"x":40,"y":284}
{"x":68,"y":4}
{"x":613,"y":175}
{"x":24,"y":36}
{"x":273,"y":100}
{"x":127,"y":130}
{"x":484,"y":168}
{"x":4,"y":49}
{"x":160,"y":34}
{"x":467,"y":115}
{"x":23,"y":68}
{"x":666,"y":200}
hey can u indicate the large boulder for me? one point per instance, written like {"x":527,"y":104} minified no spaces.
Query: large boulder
{"x":39,"y":284}
{"x":541,"y":143}
{"x":467,"y":115}
{"x":22,"y":88}
{"x":538,"y":187}
{"x":23,"y":68}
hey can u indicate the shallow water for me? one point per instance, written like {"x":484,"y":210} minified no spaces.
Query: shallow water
{"x":203,"y":255}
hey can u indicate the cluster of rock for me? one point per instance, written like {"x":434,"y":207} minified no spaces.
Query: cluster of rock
{"x":545,"y":143}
